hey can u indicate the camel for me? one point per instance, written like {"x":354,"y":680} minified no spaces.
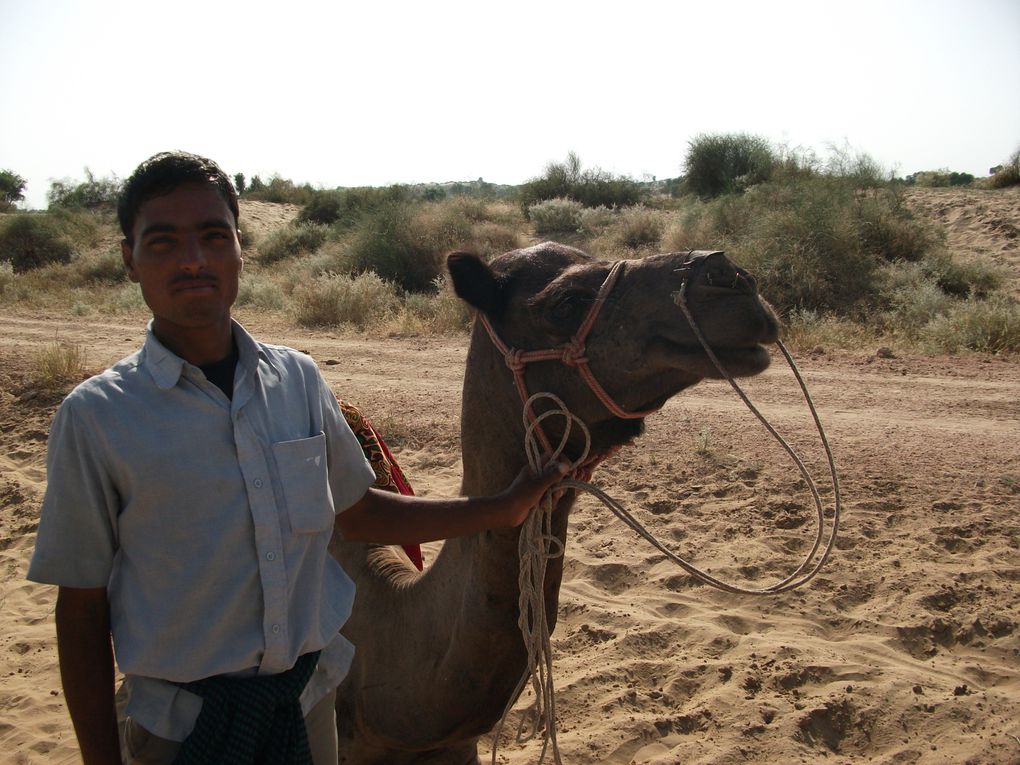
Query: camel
{"x":439,"y":653}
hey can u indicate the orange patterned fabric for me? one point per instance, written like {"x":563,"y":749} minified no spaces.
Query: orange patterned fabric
{"x":388,"y":475}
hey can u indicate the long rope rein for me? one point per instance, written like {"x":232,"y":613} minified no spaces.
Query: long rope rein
{"x":537,"y":543}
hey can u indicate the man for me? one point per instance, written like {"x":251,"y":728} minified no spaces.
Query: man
{"x":192,"y":491}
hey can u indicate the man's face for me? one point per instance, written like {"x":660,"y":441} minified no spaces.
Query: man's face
{"x":185,"y":254}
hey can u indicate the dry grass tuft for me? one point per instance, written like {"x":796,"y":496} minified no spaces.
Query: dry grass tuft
{"x":57,"y":365}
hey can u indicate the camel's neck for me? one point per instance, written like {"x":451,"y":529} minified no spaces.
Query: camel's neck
{"x":452,"y":635}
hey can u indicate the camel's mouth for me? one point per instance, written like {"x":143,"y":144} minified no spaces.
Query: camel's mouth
{"x":744,"y":361}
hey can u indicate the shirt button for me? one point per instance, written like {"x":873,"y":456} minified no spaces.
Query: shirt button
{"x":270,"y":556}
{"x":276,"y":629}
{"x":258,"y":483}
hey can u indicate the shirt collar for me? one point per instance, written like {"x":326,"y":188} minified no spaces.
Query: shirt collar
{"x":166,"y":367}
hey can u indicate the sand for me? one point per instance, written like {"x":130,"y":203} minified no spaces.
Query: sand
{"x":905,"y":649}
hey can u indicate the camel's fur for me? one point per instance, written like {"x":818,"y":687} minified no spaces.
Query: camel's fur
{"x":439,"y":654}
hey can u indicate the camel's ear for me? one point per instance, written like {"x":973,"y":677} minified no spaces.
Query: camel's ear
{"x":475,"y":283}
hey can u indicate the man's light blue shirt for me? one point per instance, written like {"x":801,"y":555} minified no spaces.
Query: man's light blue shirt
{"x":206,"y":518}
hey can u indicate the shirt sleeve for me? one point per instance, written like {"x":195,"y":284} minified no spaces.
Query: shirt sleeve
{"x":350,"y":474}
{"x":77,"y":538}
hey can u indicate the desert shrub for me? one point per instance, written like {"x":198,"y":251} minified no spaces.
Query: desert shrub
{"x":249,"y":239}
{"x":1007,"y":174}
{"x":333,"y":299}
{"x":813,"y":244}
{"x":406,"y":244}
{"x":12,"y":189}
{"x":344,"y":208}
{"x":975,"y":278}
{"x":106,"y":268}
{"x":590,"y":187}
{"x":991,"y":325}
{"x":85,"y":229}
{"x":279,"y":190}
{"x":638,"y":226}
{"x":911,"y":296}
{"x":292,"y":240}
{"x":592,"y":221}
{"x":91,"y":194}
{"x":888,"y":229}
{"x":29,"y":241}
{"x":472,"y":209}
{"x":257,"y":290}
{"x":857,"y":168}
{"x":125,"y":299}
{"x":6,"y":276}
{"x":489,"y":239}
{"x":554,"y":216}
{"x":718,"y":164}
{"x":440,"y":312}
{"x":57,"y":365}
{"x":806,"y":330}
{"x":942,"y":178}
{"x":332,"y":258}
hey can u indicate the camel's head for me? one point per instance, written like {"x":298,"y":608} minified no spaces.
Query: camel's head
{"x":641,"y":349}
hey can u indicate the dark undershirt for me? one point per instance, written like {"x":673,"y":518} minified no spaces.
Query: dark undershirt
{"x":221,"y":373}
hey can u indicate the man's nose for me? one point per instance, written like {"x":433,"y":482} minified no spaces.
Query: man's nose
{"x":193,"y":255}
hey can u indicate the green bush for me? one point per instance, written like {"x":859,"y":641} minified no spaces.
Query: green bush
{"x":91,"y":194}
{"x":973,"y":278}
{"x":107,"y":268}
{"x":29,"y":241}
{"x":719,"y":164}
{"x":942,"y":178}
{"x":279,"y":190}
{"x":803,"y":241}
{"x":639,"y":227}
{"x":912,"y":297}
{"x":1008,"y":174}
{"x":858,"y":168}
{"x":292,"y":240}
{"x":489,"y":239}
{"x":85,"y":229}
{"x":256,"y":290}
{"x":555,"y":216}
{"x":591,"y":187}
{"x":344,"y":208}
{"x":334,"y":299}
{"x":442,"y":312}
{"x":988,"y":326}
{"x":887,"y":228}
{"x":592,"y":221}
{"x":12,"y":189}
{"x":6,"y":276}
{"x":406,"y":244}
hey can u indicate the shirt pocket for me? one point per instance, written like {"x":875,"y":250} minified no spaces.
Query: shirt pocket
{"x":305,"y":480}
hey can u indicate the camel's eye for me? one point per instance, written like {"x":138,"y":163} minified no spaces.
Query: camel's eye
{"x":570,"y":307}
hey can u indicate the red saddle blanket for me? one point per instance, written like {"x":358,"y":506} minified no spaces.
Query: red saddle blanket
{"x":388,"y":475}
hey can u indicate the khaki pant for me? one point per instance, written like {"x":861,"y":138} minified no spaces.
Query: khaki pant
{"x":143,"y":748}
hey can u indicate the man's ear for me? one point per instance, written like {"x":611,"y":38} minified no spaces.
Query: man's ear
{"x":128,"y":256}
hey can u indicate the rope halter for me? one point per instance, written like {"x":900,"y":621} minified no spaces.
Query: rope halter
{"x":571,"y":353}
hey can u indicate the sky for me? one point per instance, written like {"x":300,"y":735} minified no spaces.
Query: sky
{"x":356,"y":93}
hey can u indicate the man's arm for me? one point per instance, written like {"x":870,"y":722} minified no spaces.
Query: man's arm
{"x":387,"y":518}
{"x":86,"y":671}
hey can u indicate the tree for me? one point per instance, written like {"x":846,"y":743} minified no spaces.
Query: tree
{"x":239,"y":182}
{"x":12,"y":188}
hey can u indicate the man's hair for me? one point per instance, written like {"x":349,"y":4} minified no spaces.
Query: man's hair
{"x":162,"y":174}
